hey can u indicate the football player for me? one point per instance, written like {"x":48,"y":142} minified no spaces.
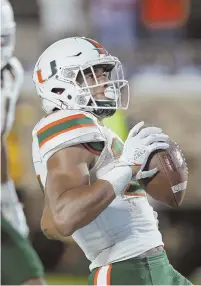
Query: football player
{"x":89,"y":177}
{"x":20,"y":263}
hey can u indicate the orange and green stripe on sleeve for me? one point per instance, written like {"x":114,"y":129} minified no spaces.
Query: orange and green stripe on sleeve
{"x":63,"y":125}
{"x":95,"y":147}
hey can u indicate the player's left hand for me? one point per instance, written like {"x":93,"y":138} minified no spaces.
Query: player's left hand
{"x":140,"y":143}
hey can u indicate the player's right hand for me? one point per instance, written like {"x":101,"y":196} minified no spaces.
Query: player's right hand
{"x":139,"y":144}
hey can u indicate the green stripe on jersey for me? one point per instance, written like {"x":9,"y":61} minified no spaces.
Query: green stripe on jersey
{"x":97,"y":146}
{"x":64,"y":126}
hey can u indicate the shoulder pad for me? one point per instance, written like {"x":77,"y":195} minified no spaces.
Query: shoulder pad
{"x":66,"y":128}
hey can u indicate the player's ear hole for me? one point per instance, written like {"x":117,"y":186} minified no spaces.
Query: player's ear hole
{"x":58,"y":90}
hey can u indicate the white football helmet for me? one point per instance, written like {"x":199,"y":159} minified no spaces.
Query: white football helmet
{"x":56,"y":71}
{"x":7,"y":32}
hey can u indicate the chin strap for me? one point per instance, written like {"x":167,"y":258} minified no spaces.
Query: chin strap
{"x":103,"y":113}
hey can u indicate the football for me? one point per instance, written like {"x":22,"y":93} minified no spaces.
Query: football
{"x":169,"y":184}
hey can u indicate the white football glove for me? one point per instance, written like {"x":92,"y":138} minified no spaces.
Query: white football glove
{"x":139,"y":145}
{"x":137,"y":148}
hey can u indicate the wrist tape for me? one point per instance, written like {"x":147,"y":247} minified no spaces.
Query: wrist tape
{"x":119,"y":177}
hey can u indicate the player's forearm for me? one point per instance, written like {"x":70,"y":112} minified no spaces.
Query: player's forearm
{"x":78,"y":207}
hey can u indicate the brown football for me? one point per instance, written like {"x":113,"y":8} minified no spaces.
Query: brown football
{"x":169,"y":184}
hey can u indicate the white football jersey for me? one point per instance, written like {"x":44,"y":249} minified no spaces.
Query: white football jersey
{"x":11,"y":83}
{"x":128,"y":226}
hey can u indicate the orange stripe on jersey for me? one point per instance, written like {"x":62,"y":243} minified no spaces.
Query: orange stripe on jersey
{"x":109,"y":275}
{"x":65,"y":130}
{"x":68,"y":118}
{"x":96,"y":277}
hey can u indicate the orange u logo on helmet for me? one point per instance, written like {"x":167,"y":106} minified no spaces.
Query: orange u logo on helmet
{"x":53,"y":67}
